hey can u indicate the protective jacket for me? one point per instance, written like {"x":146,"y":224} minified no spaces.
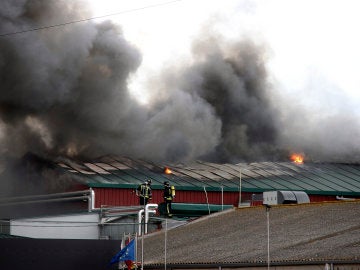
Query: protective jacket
{"x":169,"y":193}
{"x":144,"y":191}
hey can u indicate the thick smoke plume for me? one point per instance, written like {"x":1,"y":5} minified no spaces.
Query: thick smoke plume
{"x":232,"y":81}
{"x":64,"y":92}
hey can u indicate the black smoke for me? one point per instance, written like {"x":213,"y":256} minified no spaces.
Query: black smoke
{"x":64,"y":91}
{"x":230,"y":78}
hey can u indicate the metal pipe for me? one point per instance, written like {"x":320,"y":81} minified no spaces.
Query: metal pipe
{"x":149,"y":208}
{"x":147,"y":219}
{"x":207,"y":200}
{"x":140,"y":214}
{"x":46,"y":196}
{"x":240,"y":188}
{"x":91,"y":200}
{"x":268,"y":235}
{"x":165,"y":244}
{"x":48,"y":200}
{"x":222,"y":198}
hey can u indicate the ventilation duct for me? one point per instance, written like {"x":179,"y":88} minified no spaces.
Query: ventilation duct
{"x":285,"y":197}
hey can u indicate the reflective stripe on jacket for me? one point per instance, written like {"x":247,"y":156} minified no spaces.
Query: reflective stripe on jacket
{"x":145,"y":191}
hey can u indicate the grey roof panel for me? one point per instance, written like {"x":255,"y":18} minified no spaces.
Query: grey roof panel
{"x":258,"y":177}
{"x":297,"y":233}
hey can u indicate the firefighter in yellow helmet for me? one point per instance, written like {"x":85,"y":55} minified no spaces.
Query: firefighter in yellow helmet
{"x":144,"y":192}
{"x":169,"y":195}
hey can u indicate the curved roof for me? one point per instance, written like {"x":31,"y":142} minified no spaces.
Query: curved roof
{"x":312,"y":178}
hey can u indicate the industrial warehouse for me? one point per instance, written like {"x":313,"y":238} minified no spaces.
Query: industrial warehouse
{"x":219,"y":216}
{"x":174,"y":134}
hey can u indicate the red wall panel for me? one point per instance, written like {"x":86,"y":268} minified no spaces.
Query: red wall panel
{"x":321,"y":198}
{"x":127,"y":197}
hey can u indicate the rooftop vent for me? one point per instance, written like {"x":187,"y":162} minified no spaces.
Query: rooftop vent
{"x":285,"y":197}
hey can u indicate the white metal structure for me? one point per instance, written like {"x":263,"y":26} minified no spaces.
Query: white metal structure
{"x":149,"y":208}
{"x":283,"y":197}
{"x":75,"y":226}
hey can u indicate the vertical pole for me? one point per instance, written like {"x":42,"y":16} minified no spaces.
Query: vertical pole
{"x":240,"y":188}
{"x":140,"y":223}
{"x":165,"y":245}
{"x":136,"y":250}
{"x":142,"y":238}
{"x":268,"y":236}
{"x":142,"y":251}
{"x":121,"y":247}
{"x":91,"y":200}
{"x":222,"y":198}
{"x":207,"y":199}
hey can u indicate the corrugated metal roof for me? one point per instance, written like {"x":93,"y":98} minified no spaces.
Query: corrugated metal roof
{"x":313,"y":178}
{"x":304,"y":232}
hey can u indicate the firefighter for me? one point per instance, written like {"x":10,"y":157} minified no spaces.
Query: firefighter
{"x":169,"y":194}
{"x":144,"y":192}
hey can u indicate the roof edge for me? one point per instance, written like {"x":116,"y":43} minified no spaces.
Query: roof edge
{"x":225,"y":189}
{"x":220,"y":265}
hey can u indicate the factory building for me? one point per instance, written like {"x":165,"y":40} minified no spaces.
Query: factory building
{"x":97,"y":201}
{"x":115,"y":178}
{"x":103,"y":190}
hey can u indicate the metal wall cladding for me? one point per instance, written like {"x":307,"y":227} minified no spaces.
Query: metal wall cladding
{"x":321,"y":198}
{"x":127,"y":197}
{"x":114,"y":197}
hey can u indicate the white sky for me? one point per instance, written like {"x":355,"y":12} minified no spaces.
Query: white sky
{"x":314,"y":44}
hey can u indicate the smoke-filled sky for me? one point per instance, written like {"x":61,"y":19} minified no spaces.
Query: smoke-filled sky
{"x":227,"y":81}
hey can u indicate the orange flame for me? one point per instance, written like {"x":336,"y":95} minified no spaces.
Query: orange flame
{"x":297,"y":158}
{"x":167,"y":170}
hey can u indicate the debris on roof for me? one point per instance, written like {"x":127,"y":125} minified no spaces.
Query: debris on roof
{"x":312,"y":178}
